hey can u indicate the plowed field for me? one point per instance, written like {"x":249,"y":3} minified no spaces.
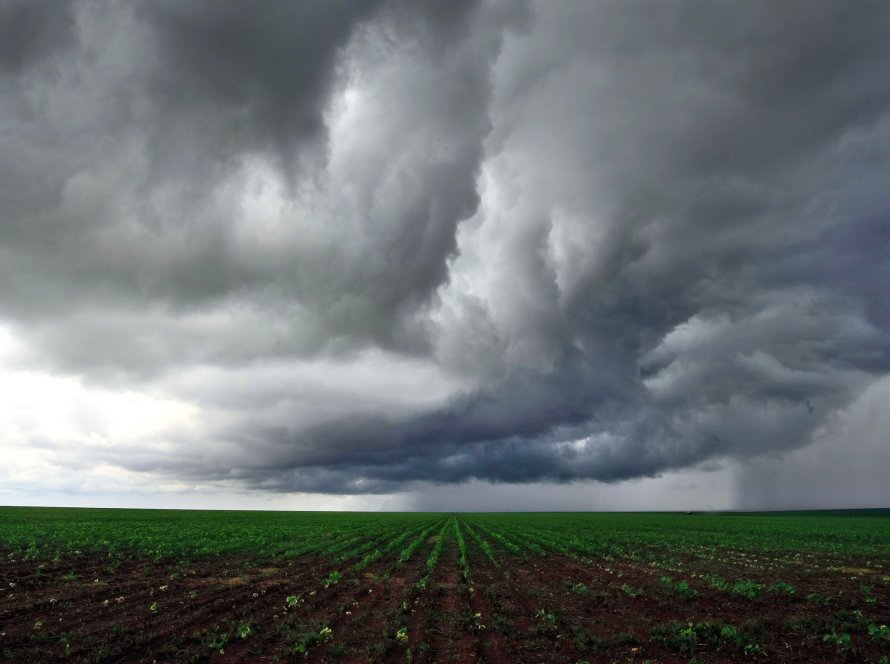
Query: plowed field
{"x":130,"y":586}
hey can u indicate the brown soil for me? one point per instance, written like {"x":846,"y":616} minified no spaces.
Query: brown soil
{"x":525,"y":609}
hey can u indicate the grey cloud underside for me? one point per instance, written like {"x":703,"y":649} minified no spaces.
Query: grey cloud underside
{"x":28,"y":34}
{"x":640,"y":235}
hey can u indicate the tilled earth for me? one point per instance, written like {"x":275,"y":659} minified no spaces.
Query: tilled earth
{"x":525,"y":608}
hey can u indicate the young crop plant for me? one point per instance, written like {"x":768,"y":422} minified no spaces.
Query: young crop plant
{"x":782,"y":588}
{"x":688,"y":639}
{"x":409,"y":550}
{"x":397,"y":542}
{"x":65,"y":641}
{"x":546,"y":623}
{"x":507,"y":544}
{"x":682,"y":588}
{"x":868,"y":596}
{"x":573,"y":545}
{"x":805,"y":625}
{"x":367,"y":559}
{"x":630,"y":591}
{"x":546,"y":616}
{"x":312,"y":638}
{"x":219,"y":643}
{"x":715,"y":581}
{"x":529,"y":544}
{"x":817,"y":598}
{"x":341,"y":545}
{"x":377,"y":553}
{"x":355,"y":552}
{"x":579,"y":588}
{"x":462,"y":548}
{"x":880,"y":634}
{"x":332,"y":579}
{"x":486,"y":548}
{"x":433,"y":558}
{"x":748,"y":589}
{"x":843,"y":641}
{"x":586,"y":642}
{"x":553,"y":543}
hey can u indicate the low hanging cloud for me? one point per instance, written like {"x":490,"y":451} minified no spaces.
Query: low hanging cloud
{"x":348,"y":247}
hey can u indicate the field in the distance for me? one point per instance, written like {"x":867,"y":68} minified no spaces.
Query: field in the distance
{"x":142,"y":585}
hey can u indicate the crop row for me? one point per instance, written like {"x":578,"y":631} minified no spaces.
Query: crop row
{"x":50,"y":533}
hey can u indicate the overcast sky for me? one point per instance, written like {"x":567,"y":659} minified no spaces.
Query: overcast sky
{"x":445,"y":255}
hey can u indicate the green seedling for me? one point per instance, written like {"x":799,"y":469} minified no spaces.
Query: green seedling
{"x":310,"y":639}
{"x":879,"y":633}
{"x":219,"y":643}
{"x":682,"y":588}
{"x":630,"y":591}
{"x":817,"y":598}
{"x":748,"y":589}
{"x":716,"y":582}
{"x":332,"y":579}
{"x":782,"y":588}
{"x":546,"y":616}
{"x":843,"y":641}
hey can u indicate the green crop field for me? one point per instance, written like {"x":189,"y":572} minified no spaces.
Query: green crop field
{"x":141,"y":585}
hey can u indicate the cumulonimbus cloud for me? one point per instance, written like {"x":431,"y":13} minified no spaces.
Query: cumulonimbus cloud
{"x":372,"y":243}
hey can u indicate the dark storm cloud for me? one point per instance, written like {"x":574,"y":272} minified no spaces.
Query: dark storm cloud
{"x":113,"y":149}
{"x":147,"y":132}
{"x":380,"y":242}
{"x":257,"y":74}
{"x":29,"y":33}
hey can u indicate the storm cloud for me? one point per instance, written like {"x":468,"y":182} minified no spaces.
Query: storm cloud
{"x":357,"y":247}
